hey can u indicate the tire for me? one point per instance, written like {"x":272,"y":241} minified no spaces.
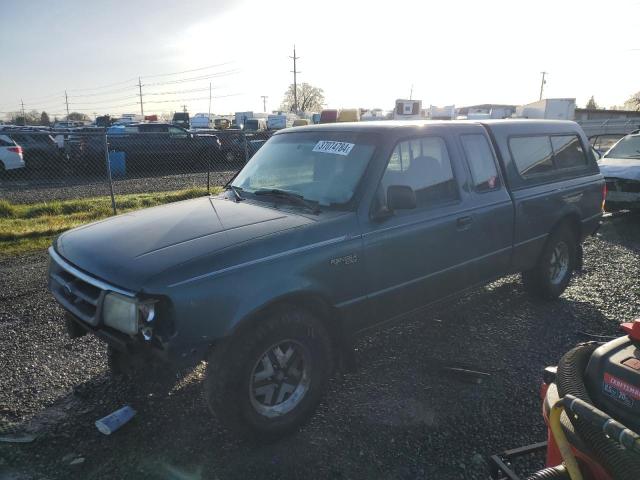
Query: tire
{"x":559,"y":258}
{"x":267,"y":382}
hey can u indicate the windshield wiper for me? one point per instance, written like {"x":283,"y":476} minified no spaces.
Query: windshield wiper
{"x":294,"y":198}
{"x":236,"y":192}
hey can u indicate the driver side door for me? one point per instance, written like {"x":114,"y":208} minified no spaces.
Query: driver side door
{"x":413,"y":257}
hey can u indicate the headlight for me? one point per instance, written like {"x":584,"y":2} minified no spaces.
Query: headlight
{"x":127,"y":314}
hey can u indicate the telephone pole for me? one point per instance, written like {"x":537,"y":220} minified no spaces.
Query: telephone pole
{"x":542,"y":83}
{"x":295,"y":81}
{"x":141,"y":107}
{"x":66,"y":101}
{"x":264,"y":103}
{"x":411,"y":93}
{"x":24,"y":117}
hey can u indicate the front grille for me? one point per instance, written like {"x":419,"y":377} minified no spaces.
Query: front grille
{"x":77,"y":296}
{"x":75,"y":291}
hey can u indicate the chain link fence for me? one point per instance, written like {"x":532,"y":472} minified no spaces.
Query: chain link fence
{"x":38,"y":165}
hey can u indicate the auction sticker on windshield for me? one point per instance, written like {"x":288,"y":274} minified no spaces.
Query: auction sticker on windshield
{"x":329,"y":146}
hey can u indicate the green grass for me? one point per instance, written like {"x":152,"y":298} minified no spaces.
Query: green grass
{"x":29,"y":227}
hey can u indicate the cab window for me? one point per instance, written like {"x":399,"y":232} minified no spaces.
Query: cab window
{"x":481,"y":162}
{"x":424,"y":165}
{"x":532,"y":155}
{"x":568,"y":151}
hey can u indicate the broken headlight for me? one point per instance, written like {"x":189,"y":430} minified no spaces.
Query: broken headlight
{"x":128,"y":315}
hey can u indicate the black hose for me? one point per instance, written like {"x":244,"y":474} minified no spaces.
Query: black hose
{"x":552,"y":473}
{"x":619,"y":462}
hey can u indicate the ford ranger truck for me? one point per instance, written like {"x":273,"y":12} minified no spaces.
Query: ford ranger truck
{"x":327,"y":231}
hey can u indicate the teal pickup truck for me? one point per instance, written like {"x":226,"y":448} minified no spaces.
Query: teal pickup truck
{"x":327,"y":231}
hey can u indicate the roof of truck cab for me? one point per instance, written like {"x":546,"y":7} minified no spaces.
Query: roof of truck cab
{"x":521,"y":125}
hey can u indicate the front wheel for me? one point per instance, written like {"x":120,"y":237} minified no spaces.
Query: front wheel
{"x":551,"y":275}
{"x":268,"y":381}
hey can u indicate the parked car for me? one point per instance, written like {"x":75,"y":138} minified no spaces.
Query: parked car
{"x":621,"y":169}
{"x":10,"y":154}
{"x":40,"y":150}
{"x":255,"y":125}
{"x":603,"y":142}
{"x":327,"y":231}
{"x":148,"y":147}
{"x":181,"y":119}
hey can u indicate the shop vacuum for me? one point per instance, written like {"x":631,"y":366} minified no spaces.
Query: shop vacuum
{"x":591,"y":406}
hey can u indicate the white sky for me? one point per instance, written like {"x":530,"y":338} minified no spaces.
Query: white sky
{"x":362,"y":53}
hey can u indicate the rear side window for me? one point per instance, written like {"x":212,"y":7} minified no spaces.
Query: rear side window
{"x":568,"y":151}
{"x":6,"y":141}
{"x":481,"y":162}
{"x":422,"y":164}
{"x":532,"y":155}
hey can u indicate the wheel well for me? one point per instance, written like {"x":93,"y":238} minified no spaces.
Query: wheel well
{"x":314,"y":304}
{"x":573,"y":222}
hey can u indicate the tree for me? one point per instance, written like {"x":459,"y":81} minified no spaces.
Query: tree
{"x":44,"y":119}
{"x":633,"y":102}
{"x":310,"y":99}
{"x":76,"y":116}
{"x":591,"y":104}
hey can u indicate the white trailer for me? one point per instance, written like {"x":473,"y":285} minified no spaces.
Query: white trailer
{"x":549,"y":108}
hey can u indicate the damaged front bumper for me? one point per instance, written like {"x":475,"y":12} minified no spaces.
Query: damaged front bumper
{"x":622,"y":194}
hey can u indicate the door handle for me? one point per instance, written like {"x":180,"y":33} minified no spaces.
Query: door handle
{"x":463,"y":223}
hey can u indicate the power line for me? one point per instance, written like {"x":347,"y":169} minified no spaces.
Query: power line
{"x":191,"y":90}
{"x":121,"y":99}
{"x":193,"y":79}
{"x":187,"y":71}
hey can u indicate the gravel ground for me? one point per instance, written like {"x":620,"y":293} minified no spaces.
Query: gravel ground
{"x":28,"y":190}
{"x":398,"y":416}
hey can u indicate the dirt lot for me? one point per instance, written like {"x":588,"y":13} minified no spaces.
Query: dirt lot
{"x":399,"y":416}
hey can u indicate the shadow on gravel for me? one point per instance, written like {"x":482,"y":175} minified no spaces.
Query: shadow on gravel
{"x":402,"y":414}
{"x":622,"y":229}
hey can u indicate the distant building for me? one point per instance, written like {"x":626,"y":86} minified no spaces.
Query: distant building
{"x":487,"y":110}
{"x":583,"y":114}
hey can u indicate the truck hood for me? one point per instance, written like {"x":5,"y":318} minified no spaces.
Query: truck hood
{"x":627,"y":168}
{"x":129,"y":249}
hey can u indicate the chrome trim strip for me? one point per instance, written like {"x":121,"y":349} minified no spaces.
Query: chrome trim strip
{"x":84,"y":277}
{"x":275,"y":256}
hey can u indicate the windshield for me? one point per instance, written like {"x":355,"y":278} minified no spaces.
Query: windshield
{"x":628,"y":147}
{"x":323,"y":167}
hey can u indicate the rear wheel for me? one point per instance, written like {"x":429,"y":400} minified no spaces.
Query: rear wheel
{"x":550,"y":277}
{"x":268,"y":381}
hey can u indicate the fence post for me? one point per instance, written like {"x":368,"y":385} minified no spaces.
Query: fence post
{"x":106,"y":159}
{"x":246,"y":148}
{"x":209,"y":172}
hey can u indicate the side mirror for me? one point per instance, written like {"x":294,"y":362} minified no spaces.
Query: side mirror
{"x":401,"y":197}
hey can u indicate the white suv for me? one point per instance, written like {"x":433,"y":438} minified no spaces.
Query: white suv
{"x":10,"y":154}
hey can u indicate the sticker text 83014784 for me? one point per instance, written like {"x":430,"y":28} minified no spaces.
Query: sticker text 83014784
{"x":329,"y":146}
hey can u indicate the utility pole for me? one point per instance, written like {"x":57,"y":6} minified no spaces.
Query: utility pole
{"x":24,"y":117}
{"x":141,"y":107}
{"x":209,"y":117}
{"x":264,"y":103}
{"x":184,"y":109}
{"x":542,"y":83}
{"x":411,"y":92}
{"x":295,"y":81}
{"x":66,"y":101}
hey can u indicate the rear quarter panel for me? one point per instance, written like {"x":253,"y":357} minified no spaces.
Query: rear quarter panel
{"x":541,"y":204}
